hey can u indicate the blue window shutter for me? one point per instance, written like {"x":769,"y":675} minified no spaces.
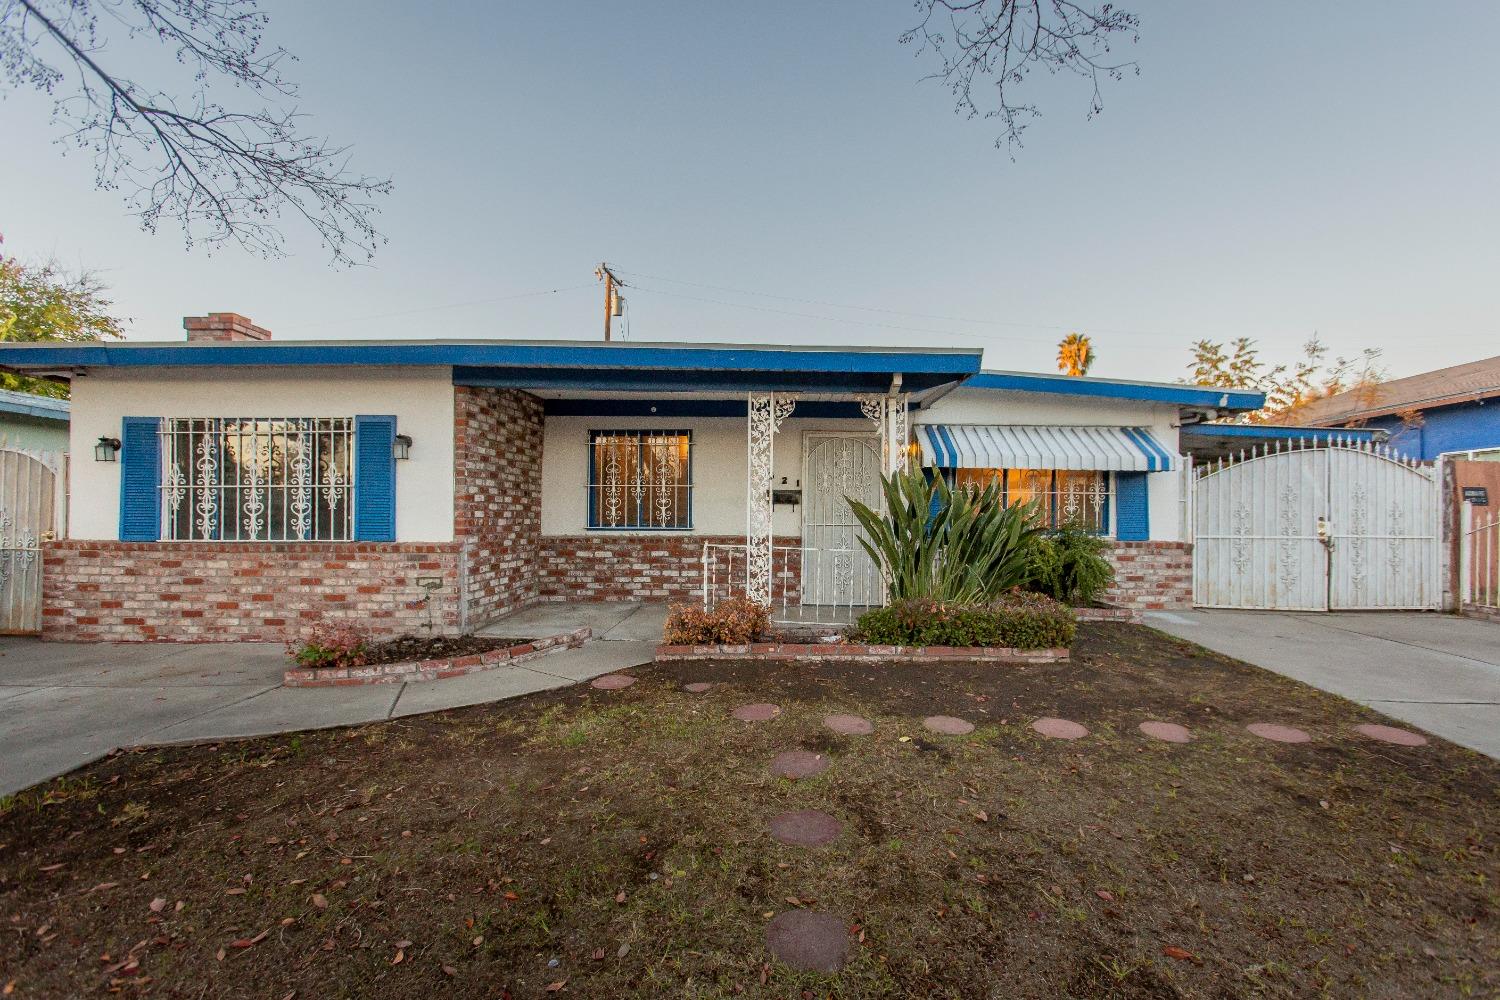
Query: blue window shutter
{"x":140,"y":477}
{"x":374,"y":478}
{"x":1132,"y":512}
{"x":937,"y":498}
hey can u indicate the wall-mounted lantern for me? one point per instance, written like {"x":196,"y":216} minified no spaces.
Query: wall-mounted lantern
{"x":403,"y":447}
{"x":106,"y":449}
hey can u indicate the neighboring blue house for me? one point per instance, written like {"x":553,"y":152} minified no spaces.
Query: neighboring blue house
{"x":1451,"y":411}
{"x":33,"y":423}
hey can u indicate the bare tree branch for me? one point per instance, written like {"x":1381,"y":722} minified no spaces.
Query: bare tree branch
{"x":1000,"y":42}
{"x":221,"y":175}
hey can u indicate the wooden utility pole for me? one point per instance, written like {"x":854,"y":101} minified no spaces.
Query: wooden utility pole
{"x":611,"y":296}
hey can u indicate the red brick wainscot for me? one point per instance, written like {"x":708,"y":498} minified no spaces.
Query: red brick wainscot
{"x":609,"y":566}
{"x":1151,"y":576}
{"x":217,"y":591}
{"x":435,"y":670}
{"x":848,"y":652}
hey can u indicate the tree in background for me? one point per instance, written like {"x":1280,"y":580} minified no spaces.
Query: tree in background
{"x":43,"y":303}
{"x":1288,"y":387}
{"x":1075,"y":354}
{"x":986,"y":49}
{"x":221,"y":174}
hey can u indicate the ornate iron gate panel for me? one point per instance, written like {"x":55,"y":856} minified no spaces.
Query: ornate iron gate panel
{"x":27,"y":516}
{"x":1347,"y":526}
{"x":1384,"y":533}
{"x":836,"y":569}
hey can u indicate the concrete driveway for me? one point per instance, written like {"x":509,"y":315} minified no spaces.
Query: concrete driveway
{"x":1438,"y":672}
{"x":63,"y":704}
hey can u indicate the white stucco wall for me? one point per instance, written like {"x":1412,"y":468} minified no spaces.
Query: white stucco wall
{"x":720,"y":469}
{"x":420,"y":398}
{"x":990,"y":406}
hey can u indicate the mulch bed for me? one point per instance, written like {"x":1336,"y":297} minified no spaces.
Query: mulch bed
{"x":590,"y":843}
{"x":406,"y":648}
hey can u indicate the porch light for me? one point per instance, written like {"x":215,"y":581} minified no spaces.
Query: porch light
{"x":106,"y":449}
{"x":402,"y":447}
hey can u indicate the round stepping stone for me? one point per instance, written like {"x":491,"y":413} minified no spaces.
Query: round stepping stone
{"x":612,"y":682}
{"x":947,"y":725}
{"x":757,"y":712}
{"x":697,"y":687}
{"x":1280,"y":734}
{"x":1170,"y":732}
{"x":811,"y":942}
{"x":1390,"y":734}
{"x":805,"y":828}
{"x":849,"y":725}
{"x":1060,"y":729}
{"x":798,"y":764}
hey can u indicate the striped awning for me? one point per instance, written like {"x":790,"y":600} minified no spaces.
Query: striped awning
{"x":990,"y":446}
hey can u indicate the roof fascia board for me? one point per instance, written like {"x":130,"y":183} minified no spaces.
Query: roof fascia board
{"x":1070,"y":385}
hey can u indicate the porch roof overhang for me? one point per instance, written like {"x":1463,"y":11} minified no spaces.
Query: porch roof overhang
{"x":567,"y":365}
{"x":989,"y":446}
{"x":1210,"y":441}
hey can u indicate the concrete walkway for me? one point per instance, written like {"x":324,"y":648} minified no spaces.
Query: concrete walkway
{"x":63,"y":705}
{"x":1438,"y":672}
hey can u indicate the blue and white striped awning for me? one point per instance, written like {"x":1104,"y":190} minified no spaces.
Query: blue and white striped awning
{"x":990,"y":446}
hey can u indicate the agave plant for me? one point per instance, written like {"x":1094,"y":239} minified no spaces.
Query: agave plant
{"x":940,"y":544}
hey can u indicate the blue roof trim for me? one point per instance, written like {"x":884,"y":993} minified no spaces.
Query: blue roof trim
{"x":1281,"y":431}
{"x":1069,"y":385}
{"x":492,"y":354}
{"x":25,"y":404}
{"x":687,"y":408}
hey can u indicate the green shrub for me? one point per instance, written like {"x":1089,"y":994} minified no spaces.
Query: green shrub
{"x":1069,"y":565}
{"x":1019,"y":620}
{"x":732,"y":622}
{"x":939,"y":544}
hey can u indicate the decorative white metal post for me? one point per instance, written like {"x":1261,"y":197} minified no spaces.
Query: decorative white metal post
{"x":766,"y":412}
{"x":888,"y":414}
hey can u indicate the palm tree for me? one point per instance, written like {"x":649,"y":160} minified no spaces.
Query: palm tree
{"x":1075,"y":354}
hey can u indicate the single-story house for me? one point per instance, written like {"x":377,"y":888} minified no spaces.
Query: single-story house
{"x":1452,"y":411}
{"x":238,"y":487}
{"x":33,"y":423}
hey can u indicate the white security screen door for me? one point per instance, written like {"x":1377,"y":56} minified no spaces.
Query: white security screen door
{"x":836,"y":569}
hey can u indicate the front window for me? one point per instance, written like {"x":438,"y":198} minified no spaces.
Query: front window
{"x":1066,"y":497}
{"x":640,"y":479}
{"x":242,"y":479}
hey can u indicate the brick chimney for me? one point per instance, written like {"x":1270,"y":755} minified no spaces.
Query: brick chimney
{"x":221,"y":328}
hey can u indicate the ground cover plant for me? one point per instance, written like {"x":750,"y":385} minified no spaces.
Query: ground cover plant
{"x":1018,"y":620}
{"x":594,"y":843}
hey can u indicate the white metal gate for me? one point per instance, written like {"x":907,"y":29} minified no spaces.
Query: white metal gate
{"x":836,"y":569}
{"x":1347,"y":526}
{"x":28,"y":508}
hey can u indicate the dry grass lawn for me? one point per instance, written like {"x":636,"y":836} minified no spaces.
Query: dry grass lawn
{"x":614,"y":844}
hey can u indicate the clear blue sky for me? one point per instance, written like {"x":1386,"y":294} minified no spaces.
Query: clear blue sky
{"x":1276,"y":169}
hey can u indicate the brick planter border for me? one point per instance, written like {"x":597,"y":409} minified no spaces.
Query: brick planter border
{"x":847,"y":652}
{"x":1131,"y":616}
{"x":434,"y":670}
